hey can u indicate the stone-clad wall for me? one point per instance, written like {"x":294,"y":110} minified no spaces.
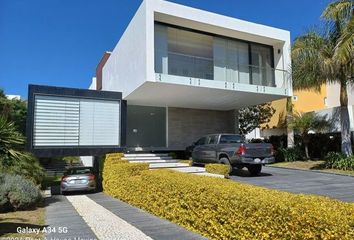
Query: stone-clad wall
{"x":186,"y":125}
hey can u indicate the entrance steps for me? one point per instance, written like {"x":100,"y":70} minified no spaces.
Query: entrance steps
{"x":168,"y":165}
{"x":191,"y":169}
{"x":165,"y":161}
{"x":132,"y":155}
{"x":151,"y":158}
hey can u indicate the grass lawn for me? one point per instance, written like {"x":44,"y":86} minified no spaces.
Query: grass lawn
{"x":311,"y":165}
{"x":9,"y":222}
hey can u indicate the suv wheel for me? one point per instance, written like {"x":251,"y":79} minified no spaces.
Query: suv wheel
{"x":255,"y":169}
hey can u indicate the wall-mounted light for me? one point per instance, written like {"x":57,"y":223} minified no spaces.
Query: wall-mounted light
{"x":279,"y":51}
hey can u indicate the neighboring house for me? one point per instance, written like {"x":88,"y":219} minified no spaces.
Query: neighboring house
{"x":184,"y":73}
{"x":324,"y":102}
{"x":18,"y":97}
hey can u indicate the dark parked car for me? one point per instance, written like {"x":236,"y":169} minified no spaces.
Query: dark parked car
{"x":78,"y":179}
{"x":232,"y":150}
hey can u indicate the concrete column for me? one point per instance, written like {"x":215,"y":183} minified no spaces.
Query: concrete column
{"x":236,"y":122}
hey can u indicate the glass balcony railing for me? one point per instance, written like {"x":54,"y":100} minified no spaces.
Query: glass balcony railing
{"x":190,"y":66}
{"x":207,"y":68}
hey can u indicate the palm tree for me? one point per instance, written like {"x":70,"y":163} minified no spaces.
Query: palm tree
{"x":11,"y":142}
{"x":12,"y":157}
{"x":342,"y":12}
{"x":324,"y":57}
{"x":303,"y":123}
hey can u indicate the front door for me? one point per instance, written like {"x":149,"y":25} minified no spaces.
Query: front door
{"x":146,"y":126}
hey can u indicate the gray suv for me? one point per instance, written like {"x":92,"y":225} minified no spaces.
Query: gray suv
{"x":232,"y":150}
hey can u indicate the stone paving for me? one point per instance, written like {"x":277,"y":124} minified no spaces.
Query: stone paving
{"x":105,"y":224}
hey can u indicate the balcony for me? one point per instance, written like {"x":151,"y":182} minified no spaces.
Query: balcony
{"x":194,"y":69}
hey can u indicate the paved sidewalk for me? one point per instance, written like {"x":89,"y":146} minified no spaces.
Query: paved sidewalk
{"x":61,"y":215}
{"x":156,"y":228}
{"x":104,"y":223}
{"x":301,"y":181}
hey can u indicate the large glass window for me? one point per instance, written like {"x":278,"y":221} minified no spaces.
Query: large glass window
{"x":231,"y":60}
{"x":192,"y":54}
{"x":262,"y":70}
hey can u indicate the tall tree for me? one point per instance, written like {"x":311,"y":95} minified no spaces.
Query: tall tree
{"x":328,"y":56}
{"x":14,"y":110}
{"x":253,"y":117}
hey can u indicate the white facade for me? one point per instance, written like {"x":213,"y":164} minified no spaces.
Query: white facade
{"x":333,"y":94}
{"x":131,"y":66}
{"x":93,"y":84}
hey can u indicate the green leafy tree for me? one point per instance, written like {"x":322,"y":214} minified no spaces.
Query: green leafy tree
{"x":303,"y":123}
{"x":14,"y":110}
{"x":328,"y":56}
{"x":253,"y":117}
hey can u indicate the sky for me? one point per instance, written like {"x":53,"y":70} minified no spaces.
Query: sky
{"x":60,"y":42}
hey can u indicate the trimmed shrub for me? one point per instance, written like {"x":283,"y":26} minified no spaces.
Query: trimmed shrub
{"x":290,"y":154}
{"x":217,"y":168}
{"x":223,"y":209}
{"x":333,"y":157}
{"x":339,"y":161}
{"x":17,"y":193}
{"x":116,"y":156}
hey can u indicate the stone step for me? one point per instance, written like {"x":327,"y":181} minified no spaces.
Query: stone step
{"x":145,"y":158}
{"x":167,"y":165}
{"x":146,"y":155}
{"x":154,"y":161}
{"x":210,"y":174}
{"x":190,"y":169}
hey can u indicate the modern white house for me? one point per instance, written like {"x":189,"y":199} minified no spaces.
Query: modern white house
{"x":184,"y":72}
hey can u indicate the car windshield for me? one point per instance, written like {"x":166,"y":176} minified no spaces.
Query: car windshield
{"x":78,"y":171}
{"x":231,"y":139}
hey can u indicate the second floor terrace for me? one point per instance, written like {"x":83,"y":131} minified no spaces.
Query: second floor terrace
{"x":183,"y":52}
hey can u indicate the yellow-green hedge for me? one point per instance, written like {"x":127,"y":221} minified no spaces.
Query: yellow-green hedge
{"x":189,"y":162}
{"x":217,"y":168}
{"x":116,"y":156}
{"x":223,"y":209}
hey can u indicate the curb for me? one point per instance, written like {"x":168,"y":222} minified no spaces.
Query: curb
{"x":315,"y":171}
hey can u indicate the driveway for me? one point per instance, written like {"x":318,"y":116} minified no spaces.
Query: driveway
{"x":99,"y":216}
{"x":301,"y":181}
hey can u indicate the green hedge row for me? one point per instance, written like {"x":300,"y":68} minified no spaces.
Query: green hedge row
{"x":223,"y":209}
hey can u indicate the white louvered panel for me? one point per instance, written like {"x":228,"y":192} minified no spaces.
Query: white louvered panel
{"x":99,"y":122}
{"x":107,"y":123}
{"x":56,"y":121}
{"x":86,"y":122}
